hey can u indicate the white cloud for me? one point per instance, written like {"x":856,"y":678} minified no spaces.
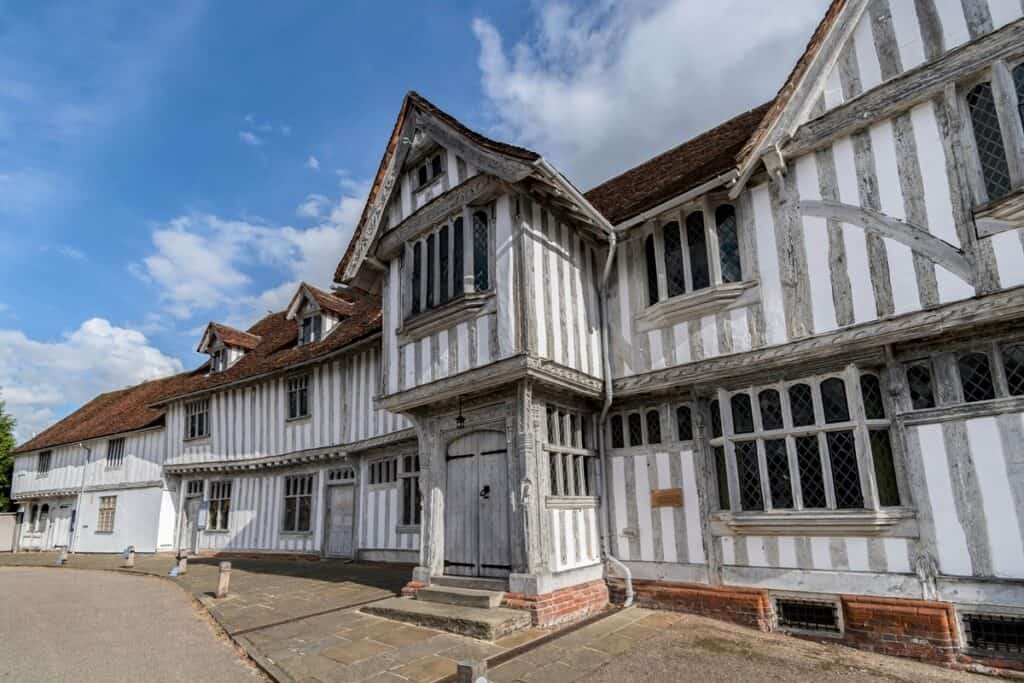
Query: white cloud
{"x":40,"y":379}
{"x":25,"y":190}
{"x":602,"y":87}
{"x":202,"y":263}
{"x":313,"y":206}
{"x":250,"y":138}
{"x":312,"y":163}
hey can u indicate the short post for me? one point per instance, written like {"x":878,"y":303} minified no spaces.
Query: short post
{"x":63,"y":557}
{"x":471,"y":671}
{"x":182,"y":564}
{"x":223,"y":580}
{"x":130,"y":557}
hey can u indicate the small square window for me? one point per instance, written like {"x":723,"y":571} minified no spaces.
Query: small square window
{"x":976,"y":377}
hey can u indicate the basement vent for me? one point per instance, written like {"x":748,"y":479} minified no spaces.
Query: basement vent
{"x":808,"y":615}
{"x":994,"y":633}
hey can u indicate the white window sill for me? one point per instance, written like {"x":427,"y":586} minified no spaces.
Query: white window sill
{"x":963,"y":411}
{"x":1000,"y":215}
{"x":571,"y":502}
{"x":897,"y":522}
{"x":460,"y":309}
{"x":695,"y":305}
{"x":196,"y":439}
{"x":298,"y":418}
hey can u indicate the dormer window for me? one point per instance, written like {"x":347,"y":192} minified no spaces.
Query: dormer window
{"x":311,"y":329}
{"x":219,"y":360}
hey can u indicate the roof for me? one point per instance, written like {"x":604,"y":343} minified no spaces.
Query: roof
{"x":414,"y":99}
{"x":329,"y":302}
{"x":671,"y":173}
{"x":793,"y":80}
{"x":230,"y":336}
{"x":139,"y":407}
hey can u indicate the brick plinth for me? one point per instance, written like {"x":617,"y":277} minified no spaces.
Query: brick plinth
{"x":918,"y":629}
{"x":744,"y":606}
{"x":410,"y":589}
{"x":561,"y":606}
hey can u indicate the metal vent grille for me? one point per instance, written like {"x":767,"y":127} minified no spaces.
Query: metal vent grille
{"x":994,"y":633}
{"x":808,"y":615}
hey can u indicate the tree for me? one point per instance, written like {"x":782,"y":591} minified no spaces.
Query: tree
{"x":6,"y":457}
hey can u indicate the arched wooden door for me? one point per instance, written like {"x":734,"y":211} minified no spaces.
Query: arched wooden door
{"x":476,"y":533}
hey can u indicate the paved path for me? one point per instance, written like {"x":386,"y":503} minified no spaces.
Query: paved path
{"x":101,"y":626}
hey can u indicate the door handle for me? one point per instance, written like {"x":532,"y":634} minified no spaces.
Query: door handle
{"x":485,"y":492}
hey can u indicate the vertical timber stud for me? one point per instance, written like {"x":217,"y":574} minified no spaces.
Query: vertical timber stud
{"x":704,"y":468}
{"x":525,"y":282}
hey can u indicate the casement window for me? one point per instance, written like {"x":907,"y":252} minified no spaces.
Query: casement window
{"x":821,"y":443}
{"x":571,"y":457}
{"x":44,"y":518}
{"x":105,"y":516}
{"x":43,"y":463}
{"x":115,"y":454}
{"x":982,"y":373}
{"x":693,"y":252}
{"x":220,"y":505}
{"x":194,"y":488}
{"x":644,"y":427}
{"x":311,"y":329}
{"x":384,"y":471}
{"x":431,"y":168}
{"x":438,"y":263}
{"x":197,"y":419}
{"x":298,"y":503}
{"x":410,"y":478}
{"x":996,"y":111}
{"x":298,"y":397}
{"x":219,"y":360}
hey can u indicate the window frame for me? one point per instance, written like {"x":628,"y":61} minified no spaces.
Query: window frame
{"x":219,"y":505}
{"x":105,"y":522}
{"x":315,"y":331}
{"x":410,"y":498}
{"x":859,"y":425}
{"x":298,"y":487}
{"x":425,"y":166}
{"x":944,"y":361}
{"x":196,"y":420}
{"x":298,"y":384}
{"x":115,"y":453}
{"x":572,"y":462}
{"x":44,"y":461}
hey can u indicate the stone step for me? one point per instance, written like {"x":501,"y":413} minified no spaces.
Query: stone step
{"x":485,"y":624}
{"x":466,"y":597}
{"x":479,"y":583}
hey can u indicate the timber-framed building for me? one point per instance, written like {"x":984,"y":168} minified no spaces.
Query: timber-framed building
{"x":775,"y":374}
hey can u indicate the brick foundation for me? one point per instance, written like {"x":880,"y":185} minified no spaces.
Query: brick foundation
{"x":918,"y":629}
{"x":744,"y":606}
{"x":561,"y":606}
{"x":410,"y":589}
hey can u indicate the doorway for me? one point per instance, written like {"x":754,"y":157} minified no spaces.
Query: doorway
{"x":476,"y":537}
{"x":340,"y":527}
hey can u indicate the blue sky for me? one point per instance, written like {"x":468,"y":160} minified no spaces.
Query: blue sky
{"x":162,"y":166}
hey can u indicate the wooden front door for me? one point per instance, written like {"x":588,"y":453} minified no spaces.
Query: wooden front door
{"x":476,"y":537}
{"x":190,"y":529}
{"x":340,"y":520}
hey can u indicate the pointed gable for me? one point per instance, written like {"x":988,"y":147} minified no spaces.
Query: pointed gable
{"x":229,"y":336}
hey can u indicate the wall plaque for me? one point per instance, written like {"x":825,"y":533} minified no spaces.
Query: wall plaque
{"x":666,"y":498}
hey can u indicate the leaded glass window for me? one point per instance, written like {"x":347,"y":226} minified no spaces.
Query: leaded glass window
{"x":842,"y":453}
{"x":749,"y":474}
{"x":674,"y":269}
{"x":728,"y":244}
{"x":871,"y":393}
{"x":1013,"y":363}
{"x":716,"y":419}
{"x":652,"y":270}
{"x":742,"y":414}
{"x":636,"y":430}
{"x":653,"y":426}
{"x":801,"y":405}
{"x":771,"y":409}
{"x":721,"y":478}
{"x":481,"y":279}
{"x":989,"y":140}
{"x":431,"y":259}
{"x":457,"y":257}
{"x":442,"y":264}
{"x":779,"y":481}
{"x":976,"y":377}
{"x":417,"y":261}
{"x":698,"y":247}
{"x":885,"y":468}
{"x":1018,"y":82}
{"x":618,"y":437}
{"x":919,"y":381}
{"x":684,"y":423}
{"x":812,"y":479}
{"x":833,"y":401}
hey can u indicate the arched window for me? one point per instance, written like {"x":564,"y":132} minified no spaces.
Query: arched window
{"x":833,"y":401}
{"x":989,"y":139}
{"x":698,"y":245}
{"x":771,"y":409}
{"x":728,"y":244}
{"x":684,"y":423}
{"x":457,"y":257}
{"x":653,"y":426}
{"x":976,"y":377}
{"x":618,"y":436}
{"x":801,"y":405}
{"x":871,"y":394}
{"x":716,"y":419}
{"x":674,"y":270}
{"x":481,"y":275}
{"x":431,"y":259}
{"x":652,"y":270}
{"x":33,"y":518}
{"x":44,"y":518}
{"x":636,"y":430}
{"x":417,"y":261}
{"x":1018,"y":82}
{"x":742,"y":414}
{"x":442,"y":264}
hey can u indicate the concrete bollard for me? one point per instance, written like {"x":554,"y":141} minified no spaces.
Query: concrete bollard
{"x":63,"y":557}
{"x":471,"y":671}
{"x":182,"y":564}
{"x":224,"y":580}
{"x":130,"y":559}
